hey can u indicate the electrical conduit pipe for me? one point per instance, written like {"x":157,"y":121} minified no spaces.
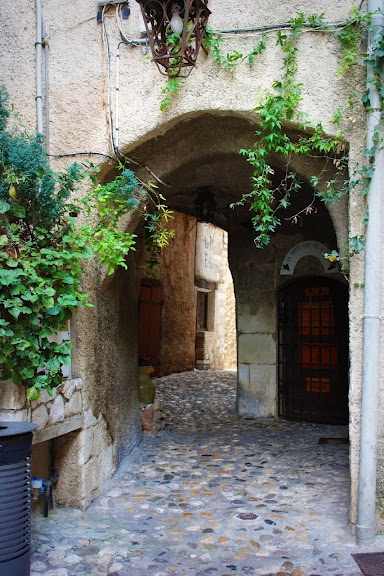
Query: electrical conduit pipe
{"x":365,"y":529}
{"x":39,"y":45}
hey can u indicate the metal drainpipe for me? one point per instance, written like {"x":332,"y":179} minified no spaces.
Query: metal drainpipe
{"x":46,"y":70}
{"x":115,"y":137}
{"x":39,"y":45}
{"x":365,"y":529}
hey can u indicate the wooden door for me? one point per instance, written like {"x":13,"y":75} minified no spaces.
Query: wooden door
{"x":150,"y":305}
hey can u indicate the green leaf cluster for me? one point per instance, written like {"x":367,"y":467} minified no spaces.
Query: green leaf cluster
{"x":350,"y":36}
{"x":45,"y":236}
{"x":170,"y":90}
{"x":281,"y":105}
{"x":212,"y":43}
{"x":157,"y":232}
{"x":274,"y":111}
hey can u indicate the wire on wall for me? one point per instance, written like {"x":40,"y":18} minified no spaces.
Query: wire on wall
{"x":122,"y":14}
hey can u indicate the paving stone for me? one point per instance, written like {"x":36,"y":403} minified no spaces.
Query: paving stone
{"x":173,"y":507}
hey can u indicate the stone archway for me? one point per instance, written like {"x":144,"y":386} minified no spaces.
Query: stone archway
{"x":202,"y":149}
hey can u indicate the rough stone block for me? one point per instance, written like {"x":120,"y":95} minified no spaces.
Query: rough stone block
{"x":56,"y":411}
{"x":44,"y":398}
{"x":107,"y":464}
{"x":97,"y":471}
{"x":40,"y":416}
{"x":87,"y":436}
{"x":74,"y":405}
{"x":59,"y":429}
{"x":15,"y":415}
{"x":257,"y":349}
{"x":263,"y":380}
{"x":12,"y":397}
{"x":101,"y":438}
{"x":89,"y":418}
{"x":70,"y":487}
{"x":258,"y":318}
{"x":96,"y":439}
{"x":69,"y":386}
{"x":257,"y":396}
{"x":92,"y":478}
{"x":248,"y":404}
{"x":243,"y":377}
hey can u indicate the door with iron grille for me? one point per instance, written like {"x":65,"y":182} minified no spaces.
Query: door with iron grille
{"x":313,"y":351}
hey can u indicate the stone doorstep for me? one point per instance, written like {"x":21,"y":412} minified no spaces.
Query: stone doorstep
{"x":58,"y":429}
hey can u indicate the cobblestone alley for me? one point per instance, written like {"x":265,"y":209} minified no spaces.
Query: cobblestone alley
{"x":213,"y":494}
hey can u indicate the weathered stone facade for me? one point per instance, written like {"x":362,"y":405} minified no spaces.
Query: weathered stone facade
{"x":194,"y":143}
{"x":195,"y":262}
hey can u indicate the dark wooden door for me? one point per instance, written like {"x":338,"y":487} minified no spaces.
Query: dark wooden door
{"x":313,"y":351}
{"x":150,"y":304}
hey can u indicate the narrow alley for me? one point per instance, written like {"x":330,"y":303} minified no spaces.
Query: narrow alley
{"x":213,"y":493}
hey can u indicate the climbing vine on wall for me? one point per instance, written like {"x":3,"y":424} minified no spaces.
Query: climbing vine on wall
{"x":280,"y":106}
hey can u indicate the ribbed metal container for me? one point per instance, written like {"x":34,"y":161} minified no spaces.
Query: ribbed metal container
{"x":15,"y":497}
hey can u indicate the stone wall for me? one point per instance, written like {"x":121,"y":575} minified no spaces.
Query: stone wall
{"x":230,"y":358}
{"x":257,"y":278}
{"x":83,"y":450}
{"x":194,"y":142}
{"x":65,"y":404}
{"x":212,"y":278}
{"x":178,"y":314}
{"x":181,"y":270}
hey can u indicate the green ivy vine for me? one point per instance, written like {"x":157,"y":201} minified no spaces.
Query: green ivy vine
{"x":280,"y":105}
{"x":277,"y":107}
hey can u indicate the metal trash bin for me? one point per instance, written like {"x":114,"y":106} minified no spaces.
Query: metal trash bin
{"x":15,"y":497}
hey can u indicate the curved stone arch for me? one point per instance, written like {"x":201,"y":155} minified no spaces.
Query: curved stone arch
{"x":194,"y":143}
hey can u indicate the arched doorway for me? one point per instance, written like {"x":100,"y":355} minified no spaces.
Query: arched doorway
{"x":313,"y":351}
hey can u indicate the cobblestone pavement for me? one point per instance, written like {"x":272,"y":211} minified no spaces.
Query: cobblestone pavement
{"x":213,"y":494}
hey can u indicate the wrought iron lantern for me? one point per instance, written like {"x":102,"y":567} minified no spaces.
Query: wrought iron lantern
{"x":175,"y":31}
{"x":205,"y":205}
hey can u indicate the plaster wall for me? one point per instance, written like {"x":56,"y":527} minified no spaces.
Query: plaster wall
{"x":175,"y":272}
{"x":196,"y":253}
{"x":79,"y":120}
{"x":178,"y":332}
{"x":105,"y":343}
{"x":94,"y":421}
{"x":211,"y":270}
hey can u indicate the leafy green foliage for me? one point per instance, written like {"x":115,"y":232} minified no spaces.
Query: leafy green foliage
{"x":277,"y":107}
{"x":170,"y":90}
{"x":157,"y":231}
{"x":280,"y":105}
{"x":229,"y":61}
{"x":43,"y":245}
{"x":350,"y":38}
{"x":39,"y":289}
{"x":353,"y":246}
{"x":212,"y":42}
